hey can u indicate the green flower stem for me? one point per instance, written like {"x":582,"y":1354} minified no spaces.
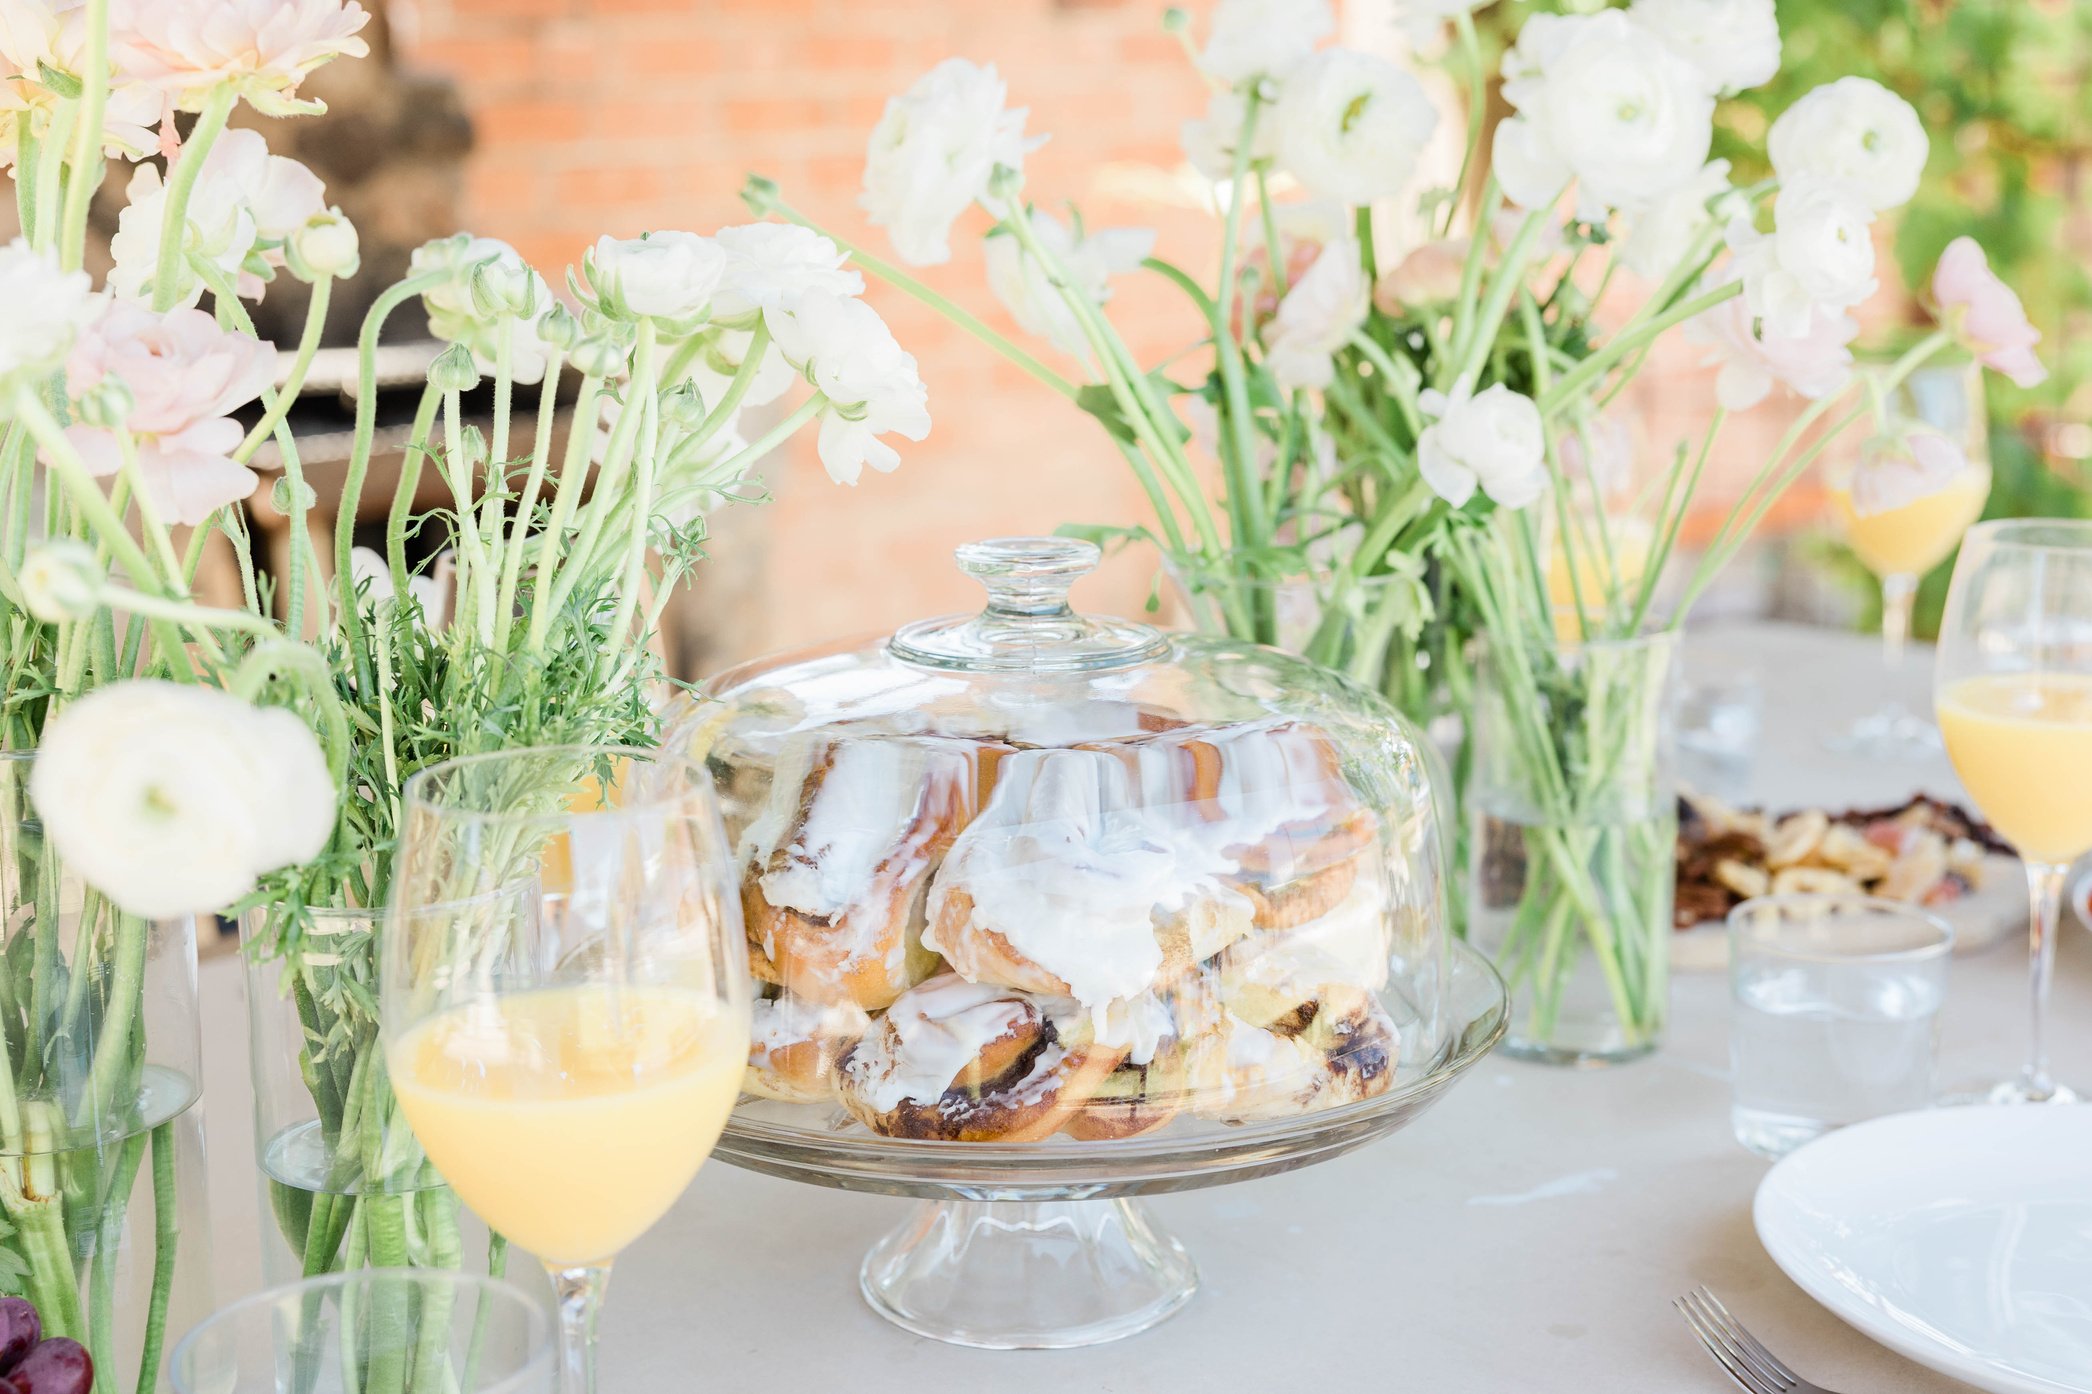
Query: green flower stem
{"x":527,"y":506}
{"x":573,"y":473}
{"x":1239,"y":462}
{"x":181,"y":182}
{"x":1472,"y":352}
{"x":108,"y":1244}
{"x":1670,"y":521}
{"x":471,"y":560}
{"x":1477,"y":101}
{"x":1642,"y":329}
{"x":741,"y":460}
{"x":581,"y":560}
{"x":28,"y":156}
{"x":736,"y":389}
{"x":642,"y":516}
{"x":1464,"y":302}
{"x":65,"y":463}
{"x":401,"y":515}
{"x":277,"y":402}
{"x":902,"y":281}
{"x":50,"y":175}
{"x":149,"y":521}
{"x":87,"y":137}
{"x":348,"y":620}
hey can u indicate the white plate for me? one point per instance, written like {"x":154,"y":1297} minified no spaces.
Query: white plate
{"x":1961,"y":1237}
{"x":1995,"y":910}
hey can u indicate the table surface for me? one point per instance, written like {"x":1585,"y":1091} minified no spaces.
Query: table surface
{"x":1526,"y":1234}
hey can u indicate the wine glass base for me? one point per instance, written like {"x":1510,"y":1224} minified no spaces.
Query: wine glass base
{"x":1027,"y":1275}
{"x":1894,"y":734}
{"x":2012,"y":1091}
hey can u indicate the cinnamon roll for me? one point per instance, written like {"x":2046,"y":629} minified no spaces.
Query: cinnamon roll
{"x":1337,"y":1049}
{"x":1147,"y":1088}
{"x":838,"y":865}
{"x":1067,"y":885}
{"x":795,"y":1043}
{"x":958,"y":1061}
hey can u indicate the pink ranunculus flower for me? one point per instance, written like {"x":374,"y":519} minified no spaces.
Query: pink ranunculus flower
{"x":1984,"y":313}
{"x":54,"y":33}
{"x":1754,"y":361}
{"x":185,"y":377}
{"x":264,"y":47}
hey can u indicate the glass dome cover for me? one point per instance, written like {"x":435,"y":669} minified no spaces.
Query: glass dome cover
{"x":1029,"y":875}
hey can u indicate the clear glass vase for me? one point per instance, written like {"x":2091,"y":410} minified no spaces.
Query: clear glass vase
{"x":343,"y":1181}
{"x":104,"y":1218}
{"x":1573,"y":824}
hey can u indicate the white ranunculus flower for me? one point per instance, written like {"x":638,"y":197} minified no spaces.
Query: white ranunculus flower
{"x":172,"y":799}
{"x":246,"y":203}
{"x":1257,"y":38}
{"x":458,"y":316}
{"x":1819,"y":254}
{"x":46,"y":310}
{"x":1209,"y":140}
{"x":771,"y":264}
{"x":1425,"y":20}
{"x":1857,"y":131}
{"x":1735,"y":43}
{"x":657,"y":275}
{"x":1492,"y":439}
{"x":1660,"y":236}
{"x":1606,"y":103}
{"x":1032,"y":295}
{"x":847,"y":351}
{"x":373,"y":576}
{"x":934,"y":152}
{"x":1350,"y":126}
{"x":1753,"y":360}
{"x":1320,"y":313}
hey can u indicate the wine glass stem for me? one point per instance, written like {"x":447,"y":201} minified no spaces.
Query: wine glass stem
{"x":2045,"y":890}
{"x":1897,"y":594}
{"x":579,"y":1292}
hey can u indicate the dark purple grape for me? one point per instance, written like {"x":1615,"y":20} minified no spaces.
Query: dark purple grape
{"x":56,"y":1366}
{"x":19,"y":1330}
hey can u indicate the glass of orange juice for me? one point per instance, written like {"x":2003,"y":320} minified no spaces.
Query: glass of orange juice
{"x":2014,"y":700}
{"x":1899,"y":545}
{"x":565,"y":999}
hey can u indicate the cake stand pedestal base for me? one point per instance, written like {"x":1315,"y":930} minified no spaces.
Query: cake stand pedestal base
{"x":1028,"y":1275}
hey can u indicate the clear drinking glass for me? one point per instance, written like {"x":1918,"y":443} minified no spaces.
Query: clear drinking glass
{"x":1836,"y":1015}
{"x":2013,"y":693}
{"x":565,"y":1002}
{"x":1899,"y":545}
{"x":1720,"y":717}
{"x":378,"y":1328}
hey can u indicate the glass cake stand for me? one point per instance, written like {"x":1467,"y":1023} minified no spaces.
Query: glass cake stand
{"x":1045,"y":1244}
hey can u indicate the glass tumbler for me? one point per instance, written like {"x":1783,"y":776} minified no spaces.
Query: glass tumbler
{"x":1836,"y":1015}
{"x":413,"y":1331}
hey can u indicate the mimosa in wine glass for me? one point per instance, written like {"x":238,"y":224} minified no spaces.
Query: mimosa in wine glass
{"x":2014,"y":699}
{"x":1900,"y":533}
{"x":565,"y":999}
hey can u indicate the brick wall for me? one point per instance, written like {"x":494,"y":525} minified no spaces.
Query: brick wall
{"x":616,"y":116}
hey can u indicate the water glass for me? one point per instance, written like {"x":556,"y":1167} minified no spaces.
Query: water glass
{"x":1720,"y":719}
{"x":1836,"y":1016}
{"x":412,"y":1330}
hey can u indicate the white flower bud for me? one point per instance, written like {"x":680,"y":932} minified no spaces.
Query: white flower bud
{"x":559,"y":328}
{"x":683,"y":406}
{"x":453,"y":370}
{"x":504,"y":287}
{"x":598,"y":356}
{"x":106,"y":405}
{"x":61,"y":580}
{"x":327,"y":246}
{"x":287,"y":495}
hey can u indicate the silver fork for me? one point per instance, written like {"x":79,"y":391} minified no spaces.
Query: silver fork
{"x":1748,"y":1362}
